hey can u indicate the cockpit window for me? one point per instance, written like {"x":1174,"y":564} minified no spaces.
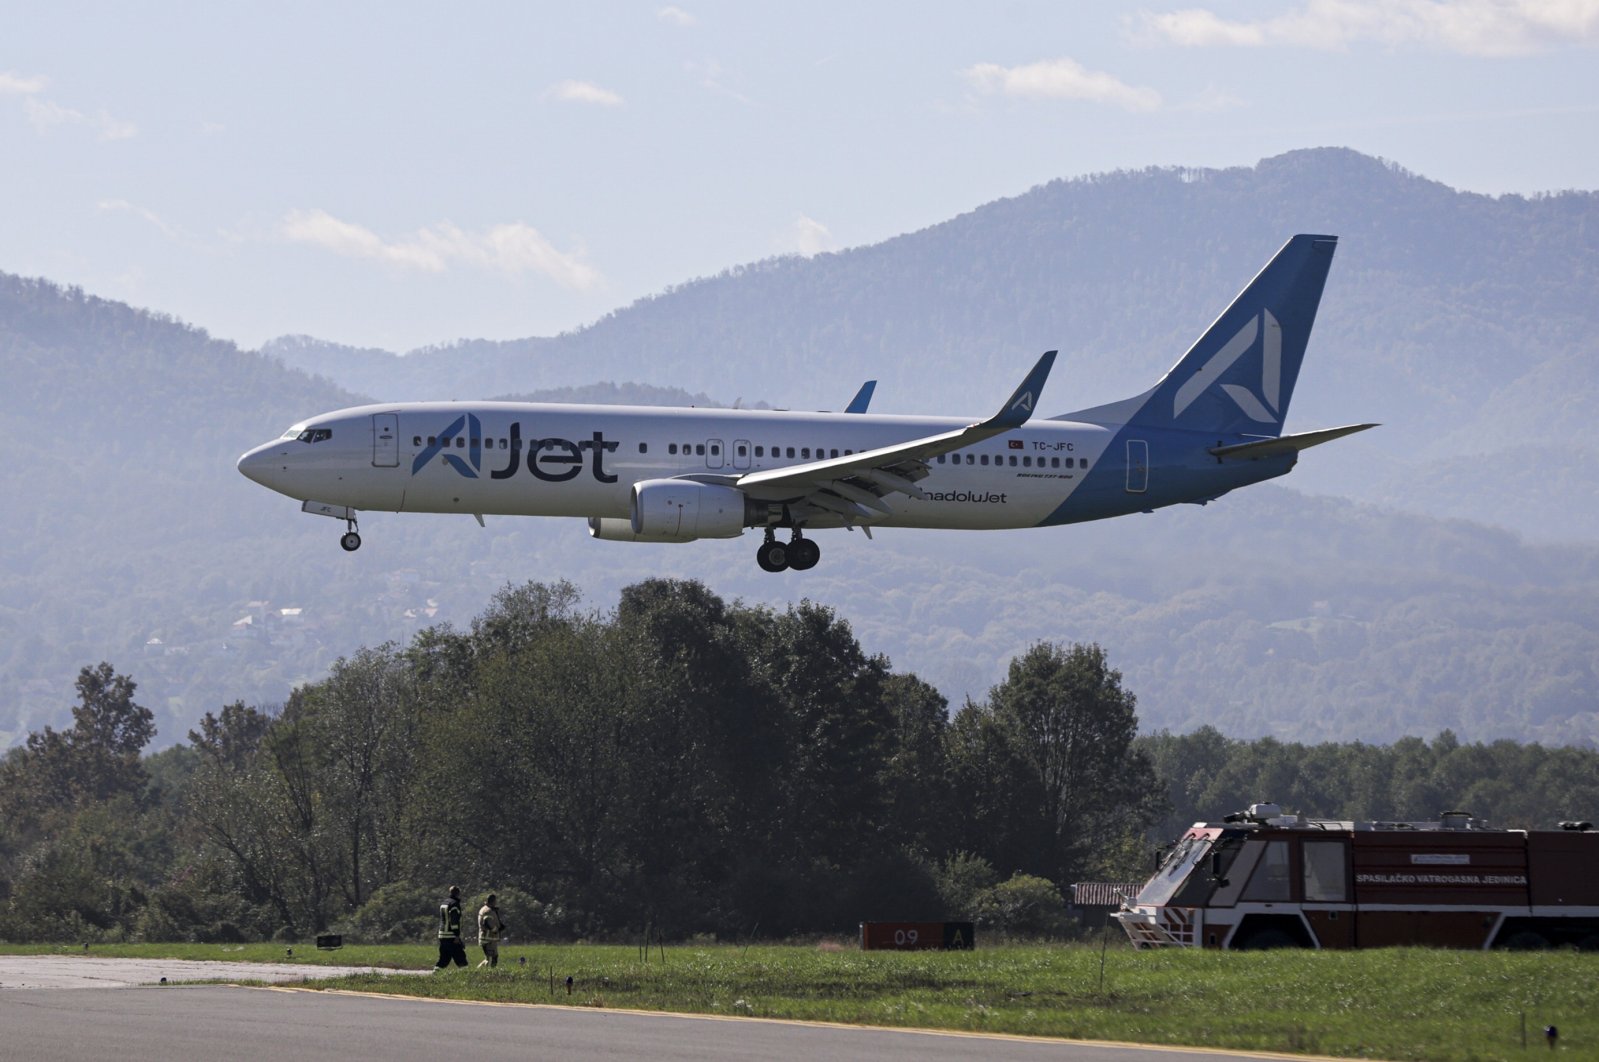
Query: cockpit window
{"x":315,"y":435}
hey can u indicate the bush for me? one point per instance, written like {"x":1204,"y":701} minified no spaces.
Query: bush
{"x":200,"y":903}
{"x":398,"y":913}
{"x":1024,"y":906}
{"x":960,"y":880}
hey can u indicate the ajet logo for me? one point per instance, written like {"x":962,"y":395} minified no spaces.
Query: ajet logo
{"x":552,"y":460}
{"x":1271,"y":370}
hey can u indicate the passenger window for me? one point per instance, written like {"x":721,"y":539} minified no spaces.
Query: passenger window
{"x":760,"y":451}
{"x":1054,"y":462}
{"x":742,"y":450}
{"x":940,"y":458}
{"x":832,"y":453}
{"x":1013,"y":460}
{"x":805,"y":451}
{"x":971,"y":459}
{"x":504,"y":444}
{"x":1027,"y":462}
{"x":983,"y":460}
{"x":671,"y":448}
{"x":715,"y":449}
{"x":643,"y":448}
{"x":460,"y":443}
{"x":416,"y":440}
{"x":791,"y":451}
{"x":432,"y":441}
{"x":700,"y":450}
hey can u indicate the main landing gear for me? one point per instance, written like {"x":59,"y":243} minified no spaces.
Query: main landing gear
{"x":799,"y":553}
{"x":351,"y":541}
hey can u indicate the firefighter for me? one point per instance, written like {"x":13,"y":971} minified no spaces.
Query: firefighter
{"x":451,"y":947}
{"x":489,"y":927}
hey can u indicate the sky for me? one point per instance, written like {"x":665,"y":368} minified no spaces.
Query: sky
{"x":399,"y":175}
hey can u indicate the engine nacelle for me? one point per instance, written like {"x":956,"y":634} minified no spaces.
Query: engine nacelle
{"x":679,"y":510}
{"x":613,"y":530}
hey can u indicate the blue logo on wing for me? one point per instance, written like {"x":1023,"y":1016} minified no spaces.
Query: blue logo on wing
{"x":448,"y":438}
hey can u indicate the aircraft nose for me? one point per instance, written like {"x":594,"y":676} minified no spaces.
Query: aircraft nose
{"x":264,"y":465}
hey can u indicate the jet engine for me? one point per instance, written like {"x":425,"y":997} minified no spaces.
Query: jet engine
{"x":610,"y":529}
{"x":677,"y":510}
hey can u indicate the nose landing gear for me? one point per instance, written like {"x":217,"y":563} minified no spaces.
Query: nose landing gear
{"x":799,"y":553}
{"x":351,"y":541}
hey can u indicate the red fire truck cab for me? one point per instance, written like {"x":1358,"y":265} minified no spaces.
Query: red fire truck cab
{"x":1263,"y":879}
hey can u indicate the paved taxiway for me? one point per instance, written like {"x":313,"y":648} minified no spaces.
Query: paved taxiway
{"x":135,"y":1024}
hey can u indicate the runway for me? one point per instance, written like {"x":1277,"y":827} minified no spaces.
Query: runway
{"x":158,"y":1023}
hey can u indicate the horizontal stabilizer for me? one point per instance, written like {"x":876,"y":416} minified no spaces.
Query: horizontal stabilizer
{"x":1285,"y":444}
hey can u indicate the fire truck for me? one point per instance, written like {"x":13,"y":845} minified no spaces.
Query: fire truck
{"x":1263,"y":879}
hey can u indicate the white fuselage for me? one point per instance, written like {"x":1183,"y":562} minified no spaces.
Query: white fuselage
{"x":527,"y":459}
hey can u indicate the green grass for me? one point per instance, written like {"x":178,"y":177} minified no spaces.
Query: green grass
{"x":1398,"y":1003}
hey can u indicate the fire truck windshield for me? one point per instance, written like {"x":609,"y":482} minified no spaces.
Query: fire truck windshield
{"x":1179,"y":864}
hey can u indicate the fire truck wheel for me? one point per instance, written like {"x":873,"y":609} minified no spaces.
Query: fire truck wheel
{"x":1526,"y":940}
{"x":1266,"y":939}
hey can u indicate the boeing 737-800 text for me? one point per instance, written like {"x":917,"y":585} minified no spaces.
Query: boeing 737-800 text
{"x":642,"y":474}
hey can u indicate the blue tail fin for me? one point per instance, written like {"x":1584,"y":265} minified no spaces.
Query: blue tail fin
{"x":1237,"y":379}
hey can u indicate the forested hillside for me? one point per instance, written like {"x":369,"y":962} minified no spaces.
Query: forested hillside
{"x":676,"y":761}
{"x":131,"y":537}
{"x":1468,"y":325}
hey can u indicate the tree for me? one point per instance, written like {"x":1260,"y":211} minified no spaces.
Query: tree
{"x":99,"y":757}
{"x":1063,"y":718}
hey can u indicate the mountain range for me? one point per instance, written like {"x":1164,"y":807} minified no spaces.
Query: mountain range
{"x":1437,"y":572}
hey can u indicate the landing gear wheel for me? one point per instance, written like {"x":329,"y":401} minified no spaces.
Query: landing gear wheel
{"x":803,"y":554}
{"x":772,"y":556}
{"x":351,"y":542}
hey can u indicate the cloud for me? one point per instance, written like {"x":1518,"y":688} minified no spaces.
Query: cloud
{"x":45,"y":115}
{"x":511,"y":248}
{"x":14,"y":84}
{"x":675,"y":15}
{"x":808,"y":237}
{"x":713,"y":77}
{"x":582,"y":92}
{"x":123,"y":206}
{"x":1060,"y":79}
{"x":1491,"y":28}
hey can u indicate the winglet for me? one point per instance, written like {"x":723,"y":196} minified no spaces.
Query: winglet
{"x":862,"y":399}
{"x":1020,"y":405}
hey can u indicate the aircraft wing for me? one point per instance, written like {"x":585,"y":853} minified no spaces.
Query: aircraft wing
{"x":854,"y":486}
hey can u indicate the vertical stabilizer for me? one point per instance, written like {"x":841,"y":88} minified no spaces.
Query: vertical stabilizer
{"x":1237,"y":379}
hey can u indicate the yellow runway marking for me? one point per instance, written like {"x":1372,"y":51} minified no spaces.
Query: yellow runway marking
{"x":802,"y":1022}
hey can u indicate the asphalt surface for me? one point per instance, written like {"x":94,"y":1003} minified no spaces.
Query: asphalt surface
{"x":138,"y":1023}
{"x":88,"y":971}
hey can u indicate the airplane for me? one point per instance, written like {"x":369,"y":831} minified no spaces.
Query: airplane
{"x":647,"y":474}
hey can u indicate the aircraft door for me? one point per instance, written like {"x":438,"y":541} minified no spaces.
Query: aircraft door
{"x":385,"y":440}
{"x":1137,"y":466}
{"x":741,"y":453}
{"x":713,"y":453}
